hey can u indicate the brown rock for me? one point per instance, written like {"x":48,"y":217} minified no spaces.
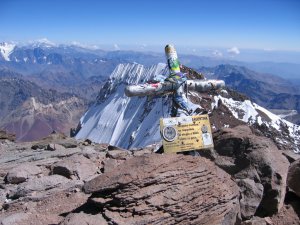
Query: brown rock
{"x":291,"y":156}
{"x":293,"y":180}
{"x":69,"y":143}
{"x":166,"y":189}
{"x":257,"y":155}
{"x":75,"y":167}
{"x":288,"y":215}
{"x":22,"y":172}
{"x":40,"y":145}
{"x":41,"y":187}
{"x":14,"y":219}
{"x":30,"y":218}
{"x":6,"y":136}
{"x":87,"y":142}
{"x":49,"y":210}
{"x":111,"y":147}
{"x":82,"y":218}
{"x":90,"y":153}
{"x":142,"y":152}
{"x":251,"y":196}
{"x":255,"y":221}
{"x":119,"y":154}
{"x":54,"y":147}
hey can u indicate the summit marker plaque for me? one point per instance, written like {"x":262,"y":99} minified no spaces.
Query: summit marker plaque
{"x":186,"y":133}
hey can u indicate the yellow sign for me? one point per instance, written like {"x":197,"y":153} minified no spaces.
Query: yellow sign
{"x":186,"y":133}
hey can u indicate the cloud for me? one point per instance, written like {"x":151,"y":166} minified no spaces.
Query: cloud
{"x":268,"y":49}
{"x":143,"y":46}
{"x":78,"y":44}
{"x":116,"y":47}
{"x":42,"y":41}
{"x":45,"y":41}
{"x":233,"y":51}
{"x":217,"y":53}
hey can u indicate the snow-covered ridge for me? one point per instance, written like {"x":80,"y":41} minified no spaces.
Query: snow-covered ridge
{"x":136,"y":73}
{"x":6,"y":49}
{"x":134,"y":122}
{"x":251,"y":113}
{"x":43,"y":42}
{"x":122,"y":121}
{"x":35,"y":105}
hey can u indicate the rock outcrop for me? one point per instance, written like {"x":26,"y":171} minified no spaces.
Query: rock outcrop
{"x":5,"y":136}
{"x":166,"y":189}
{"x":294,"y":177}
{"x":87,"y":183}
{"x":257,"y":164}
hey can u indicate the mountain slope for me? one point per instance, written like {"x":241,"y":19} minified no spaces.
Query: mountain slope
{"x":122,"y":121}
{"x":134,"y":122}
{"x":264,"y":89}
{"x":34,"y":120}
{"x":32,"y":112}
{"x":5,"y":50}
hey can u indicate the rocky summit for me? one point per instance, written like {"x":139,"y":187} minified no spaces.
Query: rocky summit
{"x":246,"y":179}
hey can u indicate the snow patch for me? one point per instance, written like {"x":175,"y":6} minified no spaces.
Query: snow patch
{"x":250,"y":113}
{"x":6,"y":49}
{"x":43,"y":42}
{"x":122,"y":121}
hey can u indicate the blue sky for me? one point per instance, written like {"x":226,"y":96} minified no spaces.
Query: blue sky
{"x":252,"y":24}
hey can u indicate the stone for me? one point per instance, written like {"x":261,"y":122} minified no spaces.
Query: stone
{"x":111,"y":147}
{"x":40,"y":187}
{"x":39,"y":146}
{"x":166,"y":189}
{"x":293,"y":180}
{"x":87,"y":142}
{"x":259,"y":156}
{"x":14,"y":219}
{"x":82,"y":218}
{"x":255,"y":221}
{"x":110,"y":164}
{"x":89,"y":152}
{"x":251,"y":196}
{"x":30,"y":218}
{"x":2,"y":197}
{"x":291,"y":156}
{"x":69,"y":143}
{"x":6,"y":136}
{"x":289,"y":214}
{"x":248,"y":173}
{"x":226,"y":163}
{"x":119,"y":154}
{"x":142,"y":152}
{"x":75,"y":167}
{"x":54,"y":147}
{"x":22,"y":172}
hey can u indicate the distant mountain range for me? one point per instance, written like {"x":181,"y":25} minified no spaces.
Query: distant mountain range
{"x":46,"y":52}
{"x":267,"y":90}
{"x":47,"y":75}
{"x":32,"y":112}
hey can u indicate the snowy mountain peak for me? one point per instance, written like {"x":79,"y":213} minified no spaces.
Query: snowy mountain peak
{"x":43,"y":43}
{"x":253,"y":114}
{"x":134,"y":122}
{"x":122,"y":121}
{"x":129,"y":73}
{"x":6,"y":49}
{"x":136,"y":73}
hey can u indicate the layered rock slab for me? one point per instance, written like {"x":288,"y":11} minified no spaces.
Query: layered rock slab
{"x":166,"y":189}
